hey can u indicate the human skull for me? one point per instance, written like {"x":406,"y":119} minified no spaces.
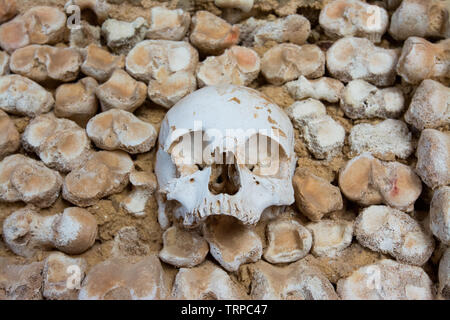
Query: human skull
{"x":224,"y":150}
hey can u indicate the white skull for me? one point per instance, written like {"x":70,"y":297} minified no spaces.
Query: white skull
{"x":230,"y":124}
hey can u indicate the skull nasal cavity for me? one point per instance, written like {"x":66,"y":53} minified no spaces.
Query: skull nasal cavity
{"x":224,"y":178}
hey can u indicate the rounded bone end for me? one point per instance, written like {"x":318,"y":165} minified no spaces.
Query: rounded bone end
{"x":75,"y":230}
{"x":10,"y":138}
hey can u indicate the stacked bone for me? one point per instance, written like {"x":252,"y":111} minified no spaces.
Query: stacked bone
{"x":364,"y":186}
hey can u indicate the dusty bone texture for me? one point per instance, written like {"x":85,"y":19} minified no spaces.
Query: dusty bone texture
{"x":103,"y":174}
{"x":387,"y":138}
{"x":22,"y":96}
{"x":421,"y":59}
{"x":38,"y":25}
{"x":324,"y":88}
{"x":346,"y":18}
{"x":144,"y":185}
{"x":244,"y":5}
{"x":303,"y":111}
{"x":362,"y":100}
{"x":167,"y":66}
{"x":101,"y":8}
{"x":324,"y":137}
{"x":330,"y":237}
{"x":391,"y":231}
{"x":25,"y":179}
{"x":211,"y":34}
{"x":10,"y":137}
{"x":315,"y":196}
{"x":205,"y":282}
{"x":420,"y":18}
{"x":296,"y":281}
{"x":121,"y":91}
{"x":77,"y":101}
{"x":60,"y":143}
{"x":4,"y":63}
{"x":117,"y":129}
{"x":84,"y":36}
{"x":125,"y":279}
{"x":444,"y":275}
{"x":73,"y":231}
{"x":183,"y":248}
{"x":237,"y":65}
{"x":433,"y":158}
{"x":386,"y":280}
{"x":122,"y":36}
{"x":285,"y":62}
{"x":20,"y":281}
{"x":430,"y":106}
{"x":232,"y":243}
{"x":353,"y":58}
{"x":8,"y":9}
{"x":288,"y":241}
{"x":100,"y":63}
{"x":168,"y":24}
{"x":367,"y":180}
{"x":440,"y":214}
{"x":43,"y":63}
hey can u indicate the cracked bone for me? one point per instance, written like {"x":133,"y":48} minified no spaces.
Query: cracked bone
{"x":60,"y":143}
{"x":183,"y":248}
{"x":100,"y":64}
{"x":391,"y":231}
{"x":324,"y":88}
{"x":232,"y":243}
{"x":288,"y":241}
{"x":10,"y":138}
{"x":43,"y":63}
{"x":368,"y":181}
{"x":314,"y":196}
{"x":361,"y":100}
{"x":237,"y":65}
{"x":26,"y":232}
{"x":347,"y":18}
{"x":167,"y":66}
{"x":20,"y":281}
{"x":285,"y":62}
{"x":440,"y":214}
{"x":103,"y":174}
{"x":168,"y":24}
{"x":296,"y":281}
{"x":324,"y":137}
{"x":122,"y":36}
{"x":433,"y":158}
{"x":122,"y":279}
{"x":38,"y":25}
{"x":235,"y":114}
{"x":211,"y":34}
{"x":144,"y":185}
{"x":420,"y":18}
{"x":430,"y":106}
{"x":121,"y":91}
{"x":205,"y":282}
{"x":25,"y":179}
{"x":58,"y":282}
{"x":22,"y":96}
{"x":386,"y":280}
{"x":420,"y":60}
{"x":358,"y":58}
{"x":117,"y":129}
{"x":330,"y":237}
{"x":77,"y":101}
{"x":387,"y":138}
